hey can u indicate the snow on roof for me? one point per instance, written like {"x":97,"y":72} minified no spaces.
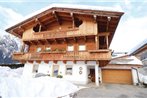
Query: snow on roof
{"x":132,"y":60}
{"x":140,"y":45}
{"x":84,"y":7}
{"x":119,"y":54}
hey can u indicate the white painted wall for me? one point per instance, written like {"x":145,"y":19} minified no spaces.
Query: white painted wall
{"x":44,"y":68}
{"x":97,"y":75}
{"x":28,"y":69}
{"x":62,"y":68}
{"x":76,"y":77}
{"x":47,"y":68}
{"x":100,"y":75}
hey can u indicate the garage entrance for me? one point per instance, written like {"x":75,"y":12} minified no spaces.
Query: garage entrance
{"x":120,"y":76}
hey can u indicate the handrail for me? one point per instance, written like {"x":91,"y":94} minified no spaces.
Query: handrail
{"x":54,"y":31}
{"x":57,"y":34}
{"x":100,"y":50}
{"x":64,"y":56}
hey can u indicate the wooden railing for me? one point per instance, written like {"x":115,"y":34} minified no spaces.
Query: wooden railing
{"x":56,"y":34}
{"x":64,"y":56}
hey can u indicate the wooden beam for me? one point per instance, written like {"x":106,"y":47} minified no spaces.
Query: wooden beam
{"x":12,"y":32}
{"x":107,"y":41}
{"x":97,"y":62}
{"x":55,"y":40}
{"x":40,"y":41}
{"x":38,"y":21}
{"x":20,"y":27}
{"x":85,"y":38}
{"x":64,"y":61}
{"x":75,"y":39}
{"x":56,"y":17}
{"x":32,"y":42}
{"x":73,"y":19}
{"x":95,"y":18}
{"x":65,"y":40}
{"x":74,"y":61}
{"x":47,"y":41}
{"x":55,"y":61}
{"x":90,"y":12}
{"x":109,"y":18}
{"x":97,"y":42}
{"x":104,"y":34}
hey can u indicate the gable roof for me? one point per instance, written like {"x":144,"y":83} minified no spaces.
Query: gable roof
{"x":102,"y":14}
{"x":83,"y":7}
{"x":140,"y":47}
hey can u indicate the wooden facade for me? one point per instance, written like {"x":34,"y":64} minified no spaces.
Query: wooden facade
{"x":47,"y":35}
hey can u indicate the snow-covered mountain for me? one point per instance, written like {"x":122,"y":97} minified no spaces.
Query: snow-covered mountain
{"x":8,"y":45}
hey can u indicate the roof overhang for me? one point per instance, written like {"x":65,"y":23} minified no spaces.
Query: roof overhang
{"x":102,"y":17}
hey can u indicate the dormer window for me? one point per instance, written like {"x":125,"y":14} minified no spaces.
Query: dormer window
{"x":36,"y":28}
{"x":77,"y":22}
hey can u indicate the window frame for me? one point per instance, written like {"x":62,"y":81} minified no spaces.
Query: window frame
{"x":69,"y":68}
{"x":69,"y":47}
{"x":37,"y":50}
{"x":82,"y":49}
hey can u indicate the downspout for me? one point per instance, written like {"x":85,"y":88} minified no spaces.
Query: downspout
{"x":139,"y":82}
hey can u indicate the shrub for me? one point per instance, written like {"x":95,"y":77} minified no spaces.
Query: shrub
{"x":59,"y":76}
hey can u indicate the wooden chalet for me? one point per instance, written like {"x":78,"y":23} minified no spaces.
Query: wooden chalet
{"x":72,"y":41}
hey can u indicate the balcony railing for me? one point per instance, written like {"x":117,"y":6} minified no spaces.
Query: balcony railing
{"x":56,"y":34}
{"x":92,"y":55}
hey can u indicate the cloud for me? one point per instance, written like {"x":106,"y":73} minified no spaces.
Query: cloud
{"x":127,"y":2}
{"x":129,"y":33}
{"x":8,"y":17}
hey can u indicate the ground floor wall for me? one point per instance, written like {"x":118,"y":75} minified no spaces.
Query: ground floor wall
{"x":75,"y":72}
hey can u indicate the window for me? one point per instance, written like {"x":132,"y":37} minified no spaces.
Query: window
{"x":70,"y":48}
{"x":26,"y":48}
{"x":77,"y":22}
{"x":35,"y":68}
{"x":38,"y":28}
{"x":39,"y":49}
{"x":82,"y":47}
{"x":55,"y":70}
{"x":47,"y":49}
{"x":69,"y":70}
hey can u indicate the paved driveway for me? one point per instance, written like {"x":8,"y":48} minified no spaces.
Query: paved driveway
{"x":113,"y":91}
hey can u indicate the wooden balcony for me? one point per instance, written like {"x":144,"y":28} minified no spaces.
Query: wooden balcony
{"x":65,"y":56}
{"x":56,"y":34}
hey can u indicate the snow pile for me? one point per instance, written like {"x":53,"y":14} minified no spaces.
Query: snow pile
{"x":35,"y":87}
{"x":8,"y":72}
{"x":12,"y":85}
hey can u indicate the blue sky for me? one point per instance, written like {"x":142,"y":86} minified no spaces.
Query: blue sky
{"x":131,"y":30}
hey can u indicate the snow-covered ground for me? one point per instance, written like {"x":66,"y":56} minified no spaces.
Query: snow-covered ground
{"x":13,"y":85}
